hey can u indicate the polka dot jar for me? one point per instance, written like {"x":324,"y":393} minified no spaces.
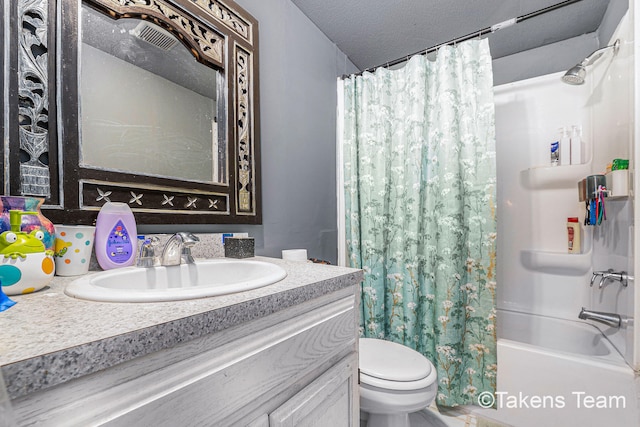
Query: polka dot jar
{"x":73,"y":247}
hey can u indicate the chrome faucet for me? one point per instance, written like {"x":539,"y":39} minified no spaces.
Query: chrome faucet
{"x":177,"y":250}
{"x":605,"y":276}
{"x":147,"y":254}
{"x":595,"y":275}
{"x":610,"y":319}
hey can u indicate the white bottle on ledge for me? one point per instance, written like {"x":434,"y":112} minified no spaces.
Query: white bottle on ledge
{"x":565,"y":147}
{"x":576,"y":145}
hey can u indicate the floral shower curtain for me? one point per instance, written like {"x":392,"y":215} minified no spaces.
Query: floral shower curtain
{"x":419,"y":172}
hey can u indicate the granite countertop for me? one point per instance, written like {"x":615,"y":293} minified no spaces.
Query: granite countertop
{"x":48,"y":337}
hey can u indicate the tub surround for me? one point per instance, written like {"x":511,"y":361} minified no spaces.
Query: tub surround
{"x":560,"y":372}
{"x":534,"y":271}
{"x":49,"y":338}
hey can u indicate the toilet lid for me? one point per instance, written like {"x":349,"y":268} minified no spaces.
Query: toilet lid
{"x":389,"y":361}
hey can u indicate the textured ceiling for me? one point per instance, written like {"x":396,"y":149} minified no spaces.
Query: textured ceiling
{"x":374,"y":32}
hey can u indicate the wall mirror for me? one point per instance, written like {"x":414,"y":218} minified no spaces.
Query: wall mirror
{"x":147,"y":105}
{"x":156,"y":106}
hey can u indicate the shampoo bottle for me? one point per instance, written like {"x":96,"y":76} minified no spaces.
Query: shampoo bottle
{"x":573,"y":235}
{"x":116,"y":236}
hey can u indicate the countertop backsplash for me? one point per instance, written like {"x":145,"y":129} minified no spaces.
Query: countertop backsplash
{"x":210,"y":246}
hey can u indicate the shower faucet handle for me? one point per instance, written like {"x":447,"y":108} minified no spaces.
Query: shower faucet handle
{"x":595,"y":274}
{"x":610,"y":274}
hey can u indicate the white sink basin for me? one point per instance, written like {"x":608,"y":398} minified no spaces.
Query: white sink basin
{"x":205,"y":278}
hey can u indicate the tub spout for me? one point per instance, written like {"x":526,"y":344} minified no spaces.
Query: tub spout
{"x":609,"y":319}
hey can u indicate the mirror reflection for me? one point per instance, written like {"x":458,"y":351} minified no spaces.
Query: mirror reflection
{"x":146,"y":105}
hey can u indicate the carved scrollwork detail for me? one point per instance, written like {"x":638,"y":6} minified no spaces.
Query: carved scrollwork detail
{"x":207,"y":28}
{"x":209,"y":44}
{"x":33,"y":99}
{"x":227,"y":16}
{"x":244,"y":142}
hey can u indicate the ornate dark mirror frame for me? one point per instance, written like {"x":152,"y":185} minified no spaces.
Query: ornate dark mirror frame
{"x":42,"y":155}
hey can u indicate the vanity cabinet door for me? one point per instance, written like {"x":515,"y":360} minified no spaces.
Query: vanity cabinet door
{"x":301,"y":359}
{"x":327,"y":401}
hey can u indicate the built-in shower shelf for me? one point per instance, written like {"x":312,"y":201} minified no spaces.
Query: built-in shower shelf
{"x":548,"y":177}
{"x":561,"y":263}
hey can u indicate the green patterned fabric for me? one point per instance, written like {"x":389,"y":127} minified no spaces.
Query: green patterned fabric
{"x":419,"y":165}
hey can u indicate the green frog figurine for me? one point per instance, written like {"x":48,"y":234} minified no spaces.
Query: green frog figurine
{"x":25,"y":264}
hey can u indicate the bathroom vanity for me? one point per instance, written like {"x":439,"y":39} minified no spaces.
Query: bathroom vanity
{"x":284,"y":354}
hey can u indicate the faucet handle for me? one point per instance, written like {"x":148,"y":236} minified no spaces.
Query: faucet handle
{"x":610,"y":274}
{"x":147,"y":252}
{"x":603,"y":274}
{"x":188,"y":241}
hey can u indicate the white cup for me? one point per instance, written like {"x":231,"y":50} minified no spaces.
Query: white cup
{"x":73,"y":247}
{"x":294,"y":254}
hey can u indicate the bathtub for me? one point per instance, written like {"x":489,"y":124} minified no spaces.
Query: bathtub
{"x":554,"y":372}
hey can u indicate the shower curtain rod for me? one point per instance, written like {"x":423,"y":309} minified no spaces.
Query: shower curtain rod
{"x":470,"y":36}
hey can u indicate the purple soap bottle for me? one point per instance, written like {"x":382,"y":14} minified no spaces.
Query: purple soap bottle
{"x":116,"y":236}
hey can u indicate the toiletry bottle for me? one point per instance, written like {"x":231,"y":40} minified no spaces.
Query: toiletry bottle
{"x":576,"y":145}
{"x":565,"y":147}
{"x":573,"y":234}
{"x":116,"y":236}
{"x":555,"y":153}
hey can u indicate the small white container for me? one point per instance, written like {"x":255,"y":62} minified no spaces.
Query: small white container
{"x":294,"y":254}
{"x":618,"y":183}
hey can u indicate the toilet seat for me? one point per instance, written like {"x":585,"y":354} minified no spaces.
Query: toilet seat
{"x":393,"y":366}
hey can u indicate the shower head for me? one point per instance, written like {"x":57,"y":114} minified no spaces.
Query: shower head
{"x":577,"y":74}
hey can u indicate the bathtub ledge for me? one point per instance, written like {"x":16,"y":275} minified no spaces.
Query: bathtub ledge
{"x":561,"y":263}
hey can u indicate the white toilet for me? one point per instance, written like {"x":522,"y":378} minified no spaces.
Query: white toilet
{"x":395,"y":381}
